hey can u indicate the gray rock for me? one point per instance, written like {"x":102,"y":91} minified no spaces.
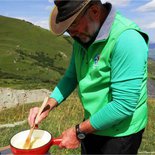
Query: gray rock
{"x":12,"y":97}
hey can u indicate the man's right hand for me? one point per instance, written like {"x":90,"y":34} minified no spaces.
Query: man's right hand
{"x":51,"y":103}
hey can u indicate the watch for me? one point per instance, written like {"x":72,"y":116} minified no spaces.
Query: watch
{"x":79,"y":134}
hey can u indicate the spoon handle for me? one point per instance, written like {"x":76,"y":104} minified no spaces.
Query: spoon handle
{"x":41,"y":109}
{"x":27,"y":143}
{"x":28,"y":139}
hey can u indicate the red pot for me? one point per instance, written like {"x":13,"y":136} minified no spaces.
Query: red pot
{"x":45,"y":142}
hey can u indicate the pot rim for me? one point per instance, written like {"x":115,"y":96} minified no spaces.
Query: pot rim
{"x":33,"y":148}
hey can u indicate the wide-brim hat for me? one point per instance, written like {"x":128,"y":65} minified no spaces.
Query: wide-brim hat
{"x":64,"y":13}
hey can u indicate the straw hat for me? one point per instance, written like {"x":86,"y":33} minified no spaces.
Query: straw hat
{"x":64,"y":14}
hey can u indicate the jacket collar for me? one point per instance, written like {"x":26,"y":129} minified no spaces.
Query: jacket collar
{"x":105,"y":28}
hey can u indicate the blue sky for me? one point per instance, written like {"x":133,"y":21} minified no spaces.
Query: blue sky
{"x":38,"y":11}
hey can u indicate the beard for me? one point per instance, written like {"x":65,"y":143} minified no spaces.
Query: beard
{"x":86,"y":39}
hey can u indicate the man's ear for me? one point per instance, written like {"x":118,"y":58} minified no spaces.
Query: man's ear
{"x":94,"y":12}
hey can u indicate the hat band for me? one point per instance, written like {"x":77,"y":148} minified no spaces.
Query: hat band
{"x":61,"y":15}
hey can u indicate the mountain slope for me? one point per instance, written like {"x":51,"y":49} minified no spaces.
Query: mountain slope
{"x":31,"y":53}
{"x":31,"y":57}
{"x":152,"y":45}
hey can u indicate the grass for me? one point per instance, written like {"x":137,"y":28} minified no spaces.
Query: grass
{"x":66,"y":115}
{"x":31,"y":53}
{"x":63,"y":117}
{"x":31,"y":58}
{"x":151,"y":70}
{"x":148,"y":141}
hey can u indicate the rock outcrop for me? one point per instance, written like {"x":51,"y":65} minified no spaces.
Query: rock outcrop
{"x":12,"y":97}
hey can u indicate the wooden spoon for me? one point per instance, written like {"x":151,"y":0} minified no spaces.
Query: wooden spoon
{"x":27,"y":143}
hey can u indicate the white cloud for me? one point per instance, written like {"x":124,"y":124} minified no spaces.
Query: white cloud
{"x":147,"y":25}
{"x":148,"y":7}
{"x":23,"y":18}
{"x":150,"y":26}
{"x":49,"y":8}
{"x":119,"y":3}
{"x":42,"y":23}
{"x":51,"y":1}
{"x":146,"y":20}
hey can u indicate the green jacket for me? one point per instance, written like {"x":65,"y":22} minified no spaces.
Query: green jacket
{"x":93,"y":74}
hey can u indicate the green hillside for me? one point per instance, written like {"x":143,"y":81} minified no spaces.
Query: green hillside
{"x":151,"y":69}
{"x":30,"y":54}
{"x":31,"y":57}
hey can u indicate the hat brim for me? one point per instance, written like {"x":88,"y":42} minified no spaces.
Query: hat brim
{"x":61,"y":27}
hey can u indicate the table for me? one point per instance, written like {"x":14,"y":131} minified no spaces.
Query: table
{"x":5,"y":150}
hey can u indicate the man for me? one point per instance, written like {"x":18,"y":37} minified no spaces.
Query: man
{"x":109,"y":66}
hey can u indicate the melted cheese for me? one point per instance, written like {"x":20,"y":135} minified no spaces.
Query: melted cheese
{"x":35,"y":143}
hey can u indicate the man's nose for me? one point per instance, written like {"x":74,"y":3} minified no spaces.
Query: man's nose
{"x":76,"y":31}
{"x":73,"y":32}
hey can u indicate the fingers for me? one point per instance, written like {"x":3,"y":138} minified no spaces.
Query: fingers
{"x":62,"y":144}
{"x":65,"y":145}
{"x":42,"y":116}
{"x":69,"y":139}
{"x":33,"y":113}
{"x":62,"y":147}
{"x":51,"y":103}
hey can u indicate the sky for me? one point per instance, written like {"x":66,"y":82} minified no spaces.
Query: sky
{"x":38,"y":12}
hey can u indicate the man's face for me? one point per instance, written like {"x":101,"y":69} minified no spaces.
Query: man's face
{"x":83,"y":28}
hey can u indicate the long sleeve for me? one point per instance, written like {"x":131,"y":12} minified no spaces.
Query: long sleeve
{"x":128,"y":64}
{"x":67,"y":84}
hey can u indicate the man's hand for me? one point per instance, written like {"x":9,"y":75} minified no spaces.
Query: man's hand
{"x":69,"y":139}
{"x":51,"y":103}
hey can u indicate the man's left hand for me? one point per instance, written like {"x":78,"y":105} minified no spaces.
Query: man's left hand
{"x":69,"y":139}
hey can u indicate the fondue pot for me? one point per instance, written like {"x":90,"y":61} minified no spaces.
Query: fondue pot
{"x":45,"y":142}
